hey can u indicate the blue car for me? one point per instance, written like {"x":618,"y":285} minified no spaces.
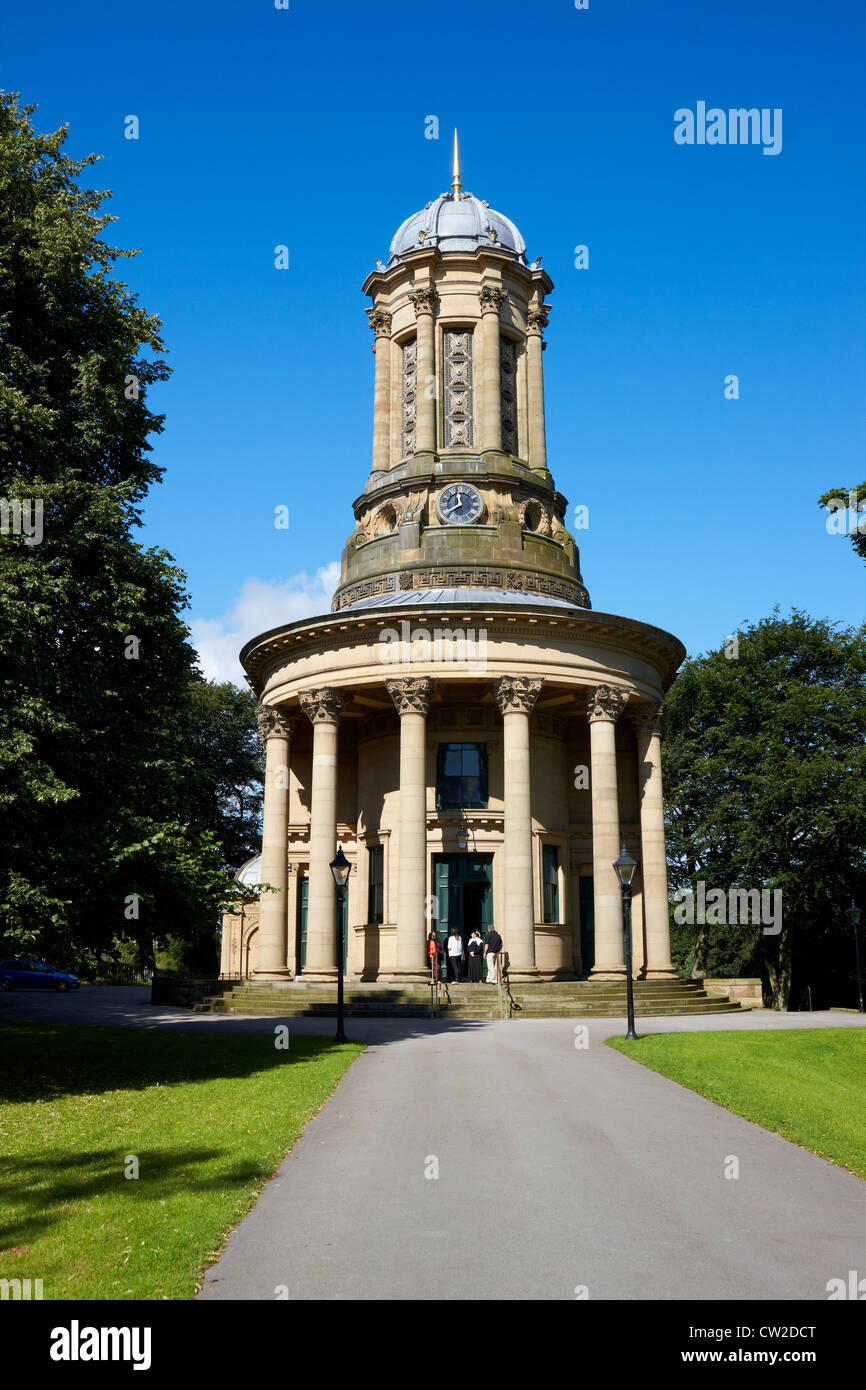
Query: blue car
{"x":24,"y":973}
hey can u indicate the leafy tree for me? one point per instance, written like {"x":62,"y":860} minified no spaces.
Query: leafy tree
{"x":108,"y":824}
{"x":846,"y":504}
{"x":765,"y":784}
{"x":223,"y":789}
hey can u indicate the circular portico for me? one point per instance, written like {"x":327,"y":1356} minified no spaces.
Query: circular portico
{"x":559,"y":705}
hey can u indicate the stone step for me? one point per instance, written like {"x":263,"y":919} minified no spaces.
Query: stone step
{"x":468,"y":1011}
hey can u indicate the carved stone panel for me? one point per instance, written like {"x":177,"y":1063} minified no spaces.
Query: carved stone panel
{"x":458,"y":388}
{"x":508,"y":393}
{"x":410,"y":384}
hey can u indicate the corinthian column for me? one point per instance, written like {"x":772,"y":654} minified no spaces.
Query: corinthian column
{"x":654,"y":870}
{"x":516,"y":697}
{"x":426,"y":394}
{"x":605,"y":704}
{"x":412,"y":698}
{"x":491,"y":298}
{"x":275,"y":731}
{"x":322,"y":707}
{"x":536,"y":324}
{"x":380,"y":322}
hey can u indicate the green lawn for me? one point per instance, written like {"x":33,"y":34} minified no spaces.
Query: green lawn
{"x":208,"y":1116}
{"x":808,"y":1085}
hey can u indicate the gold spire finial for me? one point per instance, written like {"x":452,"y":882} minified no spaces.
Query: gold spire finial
{"x":456,"y":185}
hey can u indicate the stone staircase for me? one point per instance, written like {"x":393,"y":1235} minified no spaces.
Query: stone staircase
{"x":547,"y":999}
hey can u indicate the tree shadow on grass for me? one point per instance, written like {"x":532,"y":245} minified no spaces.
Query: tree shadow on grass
{"x":45,"y":1061}
{"x":49,"y":1185}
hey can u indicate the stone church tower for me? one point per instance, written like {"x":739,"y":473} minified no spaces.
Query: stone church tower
{"x":478,"y":739}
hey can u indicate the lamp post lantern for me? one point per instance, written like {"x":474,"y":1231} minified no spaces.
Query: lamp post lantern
{"x":340,"y":868}
{"x":625,"y":867}
{"x":462,"y":833}
{"x":854,"y":919}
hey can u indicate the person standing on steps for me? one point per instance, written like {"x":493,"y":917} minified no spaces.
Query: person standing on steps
{"x":434,"y":953}
{"x":474,"y":947}
{"x":492,"y":948}
{"x":455,"y":955}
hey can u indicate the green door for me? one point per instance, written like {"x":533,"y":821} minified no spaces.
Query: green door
{"x":303,"y":898}
{"x":587,"y":924}
{"x":464,"y":893}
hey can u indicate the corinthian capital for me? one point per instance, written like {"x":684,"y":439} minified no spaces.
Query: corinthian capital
{"x":424,"y":299}
{"x":491,"y":299}
{"x":606,"y":702}
{"x":536,"y":319}
{"x":648,"y":719}
{"x":517,"y":694}
{"x":411,"y":695}
{"x":323,"y":705}
{"x":274,"y":723}
{"x":380,"y":322}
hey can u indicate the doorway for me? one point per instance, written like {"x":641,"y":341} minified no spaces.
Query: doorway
{"x":464,"y":894}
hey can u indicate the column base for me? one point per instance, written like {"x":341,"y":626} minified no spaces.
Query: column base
{"x":670,"y":974}
{"x":524,"y":974}
{"x":409,"y":977}
{"x":271,"y":975}
{"x":608,"y":972}
{"x":317,"y":977}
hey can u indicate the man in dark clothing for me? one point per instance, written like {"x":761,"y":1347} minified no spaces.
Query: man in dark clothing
{"x":492,"y":947}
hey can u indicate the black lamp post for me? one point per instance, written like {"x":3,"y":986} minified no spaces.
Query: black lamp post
{"x":854,"y":919}
{"x":625,"y":867}
{"x":340,"y":868}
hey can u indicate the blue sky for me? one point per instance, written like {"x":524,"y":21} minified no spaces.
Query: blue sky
{"x":306,"y":127}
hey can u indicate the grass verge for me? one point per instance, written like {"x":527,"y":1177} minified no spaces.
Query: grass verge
{"x":808,"y":1085}
{"x":208,"y":1117}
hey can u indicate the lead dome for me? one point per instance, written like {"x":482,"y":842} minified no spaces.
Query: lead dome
{"x":457,"y":221}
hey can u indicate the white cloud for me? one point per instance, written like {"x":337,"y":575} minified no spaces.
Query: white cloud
{"x":260,"y":605}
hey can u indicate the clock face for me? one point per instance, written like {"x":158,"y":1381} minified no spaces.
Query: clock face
{"x":459,"y":504}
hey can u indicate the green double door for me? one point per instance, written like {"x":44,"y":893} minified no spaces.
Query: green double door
{"x":303,"y":900}
{"x":464,"y":894}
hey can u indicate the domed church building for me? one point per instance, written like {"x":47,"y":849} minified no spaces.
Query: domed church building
{"x":478,"y":739}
